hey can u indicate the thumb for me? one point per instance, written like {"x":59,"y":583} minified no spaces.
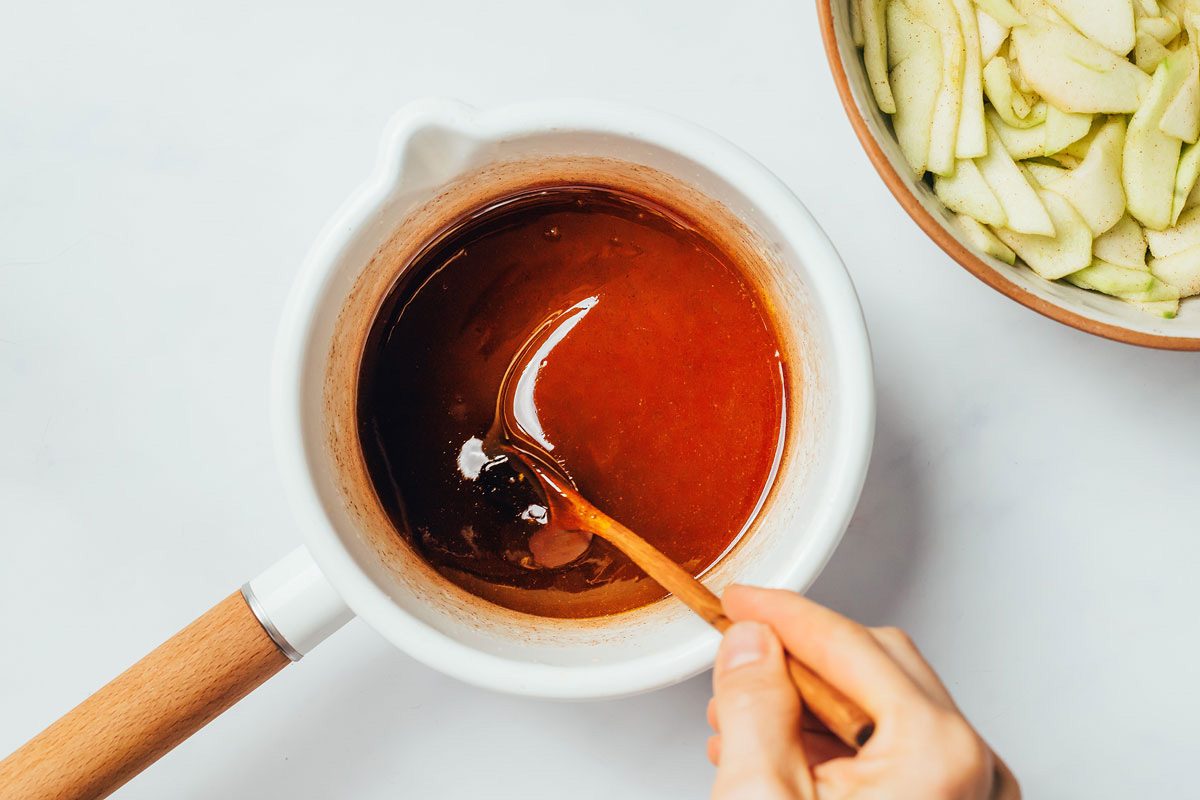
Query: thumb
{"x":758,"y":711}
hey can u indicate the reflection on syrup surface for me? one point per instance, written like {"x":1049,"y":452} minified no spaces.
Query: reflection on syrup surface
{"x":660,"y":392}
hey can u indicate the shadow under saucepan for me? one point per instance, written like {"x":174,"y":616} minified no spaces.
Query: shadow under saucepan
{"x":869,"y":574}
{"x":377,"y":724}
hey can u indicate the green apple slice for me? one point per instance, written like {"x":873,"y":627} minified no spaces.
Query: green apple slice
{"x":943,"y":135}
{"x":1185,"y":179}
{"x":1001,"y":11}
{"x":971,"y":141}
{"x":1123,"y":245}
{"x":1107,"y":22}
{"x":984,"y":240}
{"x":856,"y":26}
{"x":1159,"y":290}
{"x":1182,"y":117}
{"x":1167,"y":309}
{"x":992,"y":35}
{"x":1064,"y":129}
{"x":968,"y":193}
{"x":1094,"y":187}
{"x":1074,"y":73}
{"x":1079,"y":148}
{"x":1151,"y":157}
{"x":997,"y":84}
{"x":1148,"y":53}
{"x":1053,"y":257}
{"x":1022,"y":206}
{"x":1184,"y":235}
{"x":1041,"y":9}
{"x":916,"y":81}
{"x":1045,"y":174}
{"x":875,"y":57}
{"x":1020,"y":143}
{"x":1111,"y":279}
{"x":1164,"y":29}
{"x":1181,"y":270}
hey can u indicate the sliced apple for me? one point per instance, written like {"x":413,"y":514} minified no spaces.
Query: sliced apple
{"x":1184,"y":235}
{"x":1107,"y":22}
{"x":1002,"y":11}
{"x":943,"y":135}
{"x":1039,"y":8}
{"x":1167,"y":309}
{"x":1146,"y":8}
{"x":1020,"y":143}
{"x":1111,"y":279}
{"x":1062,"y":159}
{"x":968,"y":193}
{"x":1053,"y":257}
{"x":992,"y":35}
{"x":984,"y":240}
{"x":1182,"y":117}
{"x":1163,"y":28}
{"x":916,"y":80}
{"x":875,"y":57}
{"x":971,"y":141}
{"x":1079,"y":148}
{"x":1045,"y":174}
{"x":1064,"y":129}
{"x":1181,"y":270}
{"x":1123,"y":245}
{"x":1094,"y":187}
{"x":1193,"y":199}
{"x":998,"y":85}
{"x":1185,"y":179}
{"x":1074,"y":73}
{"x":1022,"y":206}
{"x":1151,"y":157}
{"x":1148,"y":53}
{"x":1159,"y":290}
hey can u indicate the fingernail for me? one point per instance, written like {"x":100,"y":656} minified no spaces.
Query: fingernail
{"x":745,"y":643}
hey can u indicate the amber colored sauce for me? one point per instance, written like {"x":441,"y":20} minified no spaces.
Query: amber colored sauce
{"x":665,"y":403}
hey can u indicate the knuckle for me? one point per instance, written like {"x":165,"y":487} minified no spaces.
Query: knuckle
{"x":757,"y":693}
{"x":966,"y":761}
{"x":895,"y":637}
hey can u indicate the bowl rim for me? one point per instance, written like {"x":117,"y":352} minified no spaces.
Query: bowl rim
{"x":945,"y":240}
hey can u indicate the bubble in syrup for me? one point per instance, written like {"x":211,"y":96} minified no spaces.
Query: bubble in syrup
{"x":552,"y":234}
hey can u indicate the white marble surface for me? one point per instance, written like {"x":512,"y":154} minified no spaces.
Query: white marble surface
{"x":1029,"y":514}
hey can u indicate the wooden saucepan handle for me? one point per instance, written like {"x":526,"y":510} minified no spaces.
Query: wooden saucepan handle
{"x":145,"y":711}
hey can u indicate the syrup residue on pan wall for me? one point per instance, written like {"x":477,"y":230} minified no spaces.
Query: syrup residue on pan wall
{"x":664,"y":401}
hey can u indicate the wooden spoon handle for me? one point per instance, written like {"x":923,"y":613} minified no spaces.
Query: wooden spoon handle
{"x":839,"y":713}
{"x":145,"y":711}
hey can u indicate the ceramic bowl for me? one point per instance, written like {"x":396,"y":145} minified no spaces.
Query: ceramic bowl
{"x":1087,"y":311}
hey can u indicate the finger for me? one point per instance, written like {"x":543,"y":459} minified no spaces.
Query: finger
{"x":901,"y":648}
{"x":1004,"y":786}
{"x":714,"y":721}
{"x":822,"y":747}
{"x":837,"y":648}
{"x":758,"y":708}
{"x":714,"y":750}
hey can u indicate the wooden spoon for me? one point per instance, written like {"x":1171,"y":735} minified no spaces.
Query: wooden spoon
{"x":571,"y":511}
{"x":573,"y":520}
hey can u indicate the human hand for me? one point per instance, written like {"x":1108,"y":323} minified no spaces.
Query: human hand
{"x":922,"y":748}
